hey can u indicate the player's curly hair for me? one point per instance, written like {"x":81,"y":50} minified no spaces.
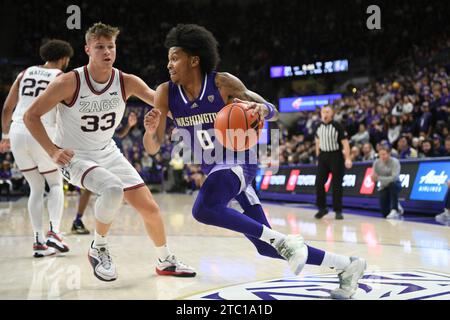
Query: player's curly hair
{"x":55,"y":49}
{"x":100,"y":29}
{"x":195,"y":40}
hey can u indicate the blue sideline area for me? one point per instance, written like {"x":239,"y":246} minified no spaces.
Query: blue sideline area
{"x":420,"y":217}
{"x":423,"y":187}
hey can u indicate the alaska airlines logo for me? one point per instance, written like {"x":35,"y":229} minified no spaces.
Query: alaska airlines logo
{"x":432,"y":178}
{"x":375,"y":285}
{"x":99,"y":106}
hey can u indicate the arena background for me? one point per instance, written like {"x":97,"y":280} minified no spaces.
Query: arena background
{"x":406,"y":61}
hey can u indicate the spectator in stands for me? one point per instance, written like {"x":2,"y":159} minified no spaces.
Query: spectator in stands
{"x":136,"y":159}
{"x":17,"y":178}
{"x":444,"y":217}
{"x":367,"y":152}
{"x":355,"y":154}
{"x":426,"y":149}
{"x":403,"y":107}
{"x":437,"y":144}
{"x":146,"y":161}
{"x":5,"y":177}
{"x":386,"y":171}
{"x":376,"y":132}
{"x":195,"y":177}
{"x":362,"y":136}
{"x":416,"y":142}
{"x":404,"y":150}
{"x":425,"y":120}
{"x":447,"y":147}
{"x":143,"y":173}
{"x":5,"y":171}
{"x":157,"y":171}
{"x":407,"y":122}
{"x":394,"y":129}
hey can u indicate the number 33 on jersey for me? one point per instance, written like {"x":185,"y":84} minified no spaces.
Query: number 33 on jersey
{"x":91,"y":118}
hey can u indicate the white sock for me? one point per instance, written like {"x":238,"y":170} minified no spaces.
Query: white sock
{"x":335,"y":261}
{"x":163,"y":252}
{"x":55,"y":199}
{"x":271,"y":236}
{"x":99,"y":240}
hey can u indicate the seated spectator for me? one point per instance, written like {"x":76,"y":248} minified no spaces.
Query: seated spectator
{"x":5,"y":177}
{"x":146,"y":161}
{"x":404,"y":150}
{"x":143,"y":173}
{"x":195,"y":177}
{"x":437,"y":145}
{"x":394,"y":129}
{"x":426,"y":149}
{"x":416,"y":141}
{"x":355,"y":154}
{"x":425,"y":120}
{"x":156,"y":173}
{"x":17,"y":178}
{"x":376,"y":132}
{"x":386,"y":171}
{"x":136,"y":159}
{"x":403,"y":107}
{"x":362,"y":136}
{"x":447,"y":147}
{"x":367,"y":152}
{"x":444,"y":217}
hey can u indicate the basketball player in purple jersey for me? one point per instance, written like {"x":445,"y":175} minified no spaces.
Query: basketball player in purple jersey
{"x":193,"y":96}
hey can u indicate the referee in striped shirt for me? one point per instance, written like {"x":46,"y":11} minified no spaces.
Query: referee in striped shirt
{"x":331,"y":148}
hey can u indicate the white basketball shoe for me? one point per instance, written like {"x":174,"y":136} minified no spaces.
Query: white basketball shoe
{"x":294,"y":250}
{"x":171,"y":266}
{"x":55,"y":241}
{"x":393,"y":215}
{"x":348,"y":279}
{"x":100,"y":259}
{"x":41,"y":250}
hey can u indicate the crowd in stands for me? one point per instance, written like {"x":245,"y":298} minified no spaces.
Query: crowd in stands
{"x":409,"y":110}
{"x":298,"y":32}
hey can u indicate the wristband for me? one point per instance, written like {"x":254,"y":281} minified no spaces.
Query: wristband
{"x":5,"y":136}
{"x":271,"y":111}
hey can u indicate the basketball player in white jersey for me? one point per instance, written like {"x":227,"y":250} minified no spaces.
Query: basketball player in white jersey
{"x":35,"y":164}
{"x":94,"y":98}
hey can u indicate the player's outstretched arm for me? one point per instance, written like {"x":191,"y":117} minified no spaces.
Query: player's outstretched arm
{"x":61,"y":89}
{"x":8,"y":108}
{"x":135,"y":86}
{"x":155,"y":120}
{"x":233,"y":90}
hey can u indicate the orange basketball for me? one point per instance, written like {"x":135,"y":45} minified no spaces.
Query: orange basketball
{"x":237,"y":129}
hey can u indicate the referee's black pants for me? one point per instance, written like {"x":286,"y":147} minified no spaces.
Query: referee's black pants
{"x":330,"y":162}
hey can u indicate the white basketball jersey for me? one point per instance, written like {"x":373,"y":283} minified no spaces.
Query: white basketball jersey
{"x":89,"y":121}
{"x":33,"y":82}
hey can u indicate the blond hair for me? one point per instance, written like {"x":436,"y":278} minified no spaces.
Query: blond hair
{"x":99,"y":29}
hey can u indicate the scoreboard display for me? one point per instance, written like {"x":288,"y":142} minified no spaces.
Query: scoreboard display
{"x":315,"y":68}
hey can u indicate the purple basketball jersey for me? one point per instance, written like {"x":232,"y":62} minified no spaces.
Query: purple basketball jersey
{"x":195,"y":121}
